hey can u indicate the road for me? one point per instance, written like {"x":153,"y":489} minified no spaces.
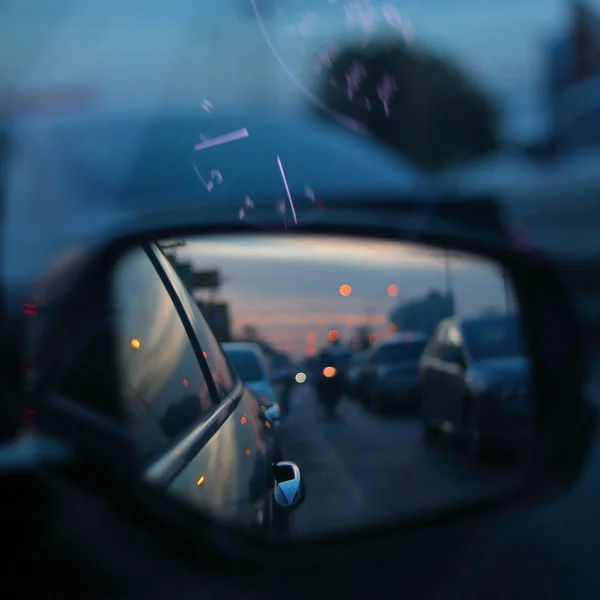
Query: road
{"x":362,"y":469}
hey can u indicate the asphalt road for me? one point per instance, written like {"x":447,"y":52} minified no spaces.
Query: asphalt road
{"x":362,"y":468}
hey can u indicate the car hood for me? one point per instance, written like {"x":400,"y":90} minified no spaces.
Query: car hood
{"x":505,"y":369}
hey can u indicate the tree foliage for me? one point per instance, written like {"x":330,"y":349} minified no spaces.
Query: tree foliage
{"x":438,"y":116}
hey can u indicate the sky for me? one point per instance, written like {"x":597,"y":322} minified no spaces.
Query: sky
{"x":288,"y":286}
{"x":158,"y":53}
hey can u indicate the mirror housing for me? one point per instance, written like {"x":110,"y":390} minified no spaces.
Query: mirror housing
{"x":272,"y":413}
{"x":288,"y":488}
{"x":563,"y":421}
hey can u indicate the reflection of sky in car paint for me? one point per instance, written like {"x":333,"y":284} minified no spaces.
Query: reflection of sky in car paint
{"x":289,"y":287}
{"x":160,"y":54}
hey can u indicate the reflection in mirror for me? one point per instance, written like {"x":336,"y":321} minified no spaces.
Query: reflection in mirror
{"x":384,"y":378}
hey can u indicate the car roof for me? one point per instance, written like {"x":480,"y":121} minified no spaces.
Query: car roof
{"x":244,"y":347}
{"x":401,"y":337}
{"x":487,"y":318}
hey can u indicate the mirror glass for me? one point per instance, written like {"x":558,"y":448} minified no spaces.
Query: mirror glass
{"x":301,"y":385}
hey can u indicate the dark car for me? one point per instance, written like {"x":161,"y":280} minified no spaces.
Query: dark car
{"x":392,"y":372}
{"x":475,"y":381}
{"x":355,"y":375}
{"x":201,"y":433}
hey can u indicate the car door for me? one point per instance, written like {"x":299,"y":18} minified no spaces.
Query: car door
{"x":230,"y":475}
{"x":453,"y":375}
{"x":431,"y":376}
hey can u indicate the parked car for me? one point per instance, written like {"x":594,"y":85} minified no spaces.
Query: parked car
{"x":392,"y":372}
{"x":355,"y":375}
{"x":255,"y":369}
{"x":475,"y":381}
{"x":201,"y":433}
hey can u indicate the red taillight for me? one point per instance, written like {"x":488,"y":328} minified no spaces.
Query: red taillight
{"x":30,"y":417}
{"x":29,"y":309}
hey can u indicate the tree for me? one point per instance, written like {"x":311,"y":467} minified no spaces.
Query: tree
{"x":250,"y":333}
{"x":436,"y":116}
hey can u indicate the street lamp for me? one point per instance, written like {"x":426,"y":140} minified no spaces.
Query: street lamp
{"x":345,"y":290}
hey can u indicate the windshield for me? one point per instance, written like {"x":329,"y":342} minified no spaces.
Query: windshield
{"x":246,"y":365}
{"x":493,"y":338}
{"x":400,"y":352}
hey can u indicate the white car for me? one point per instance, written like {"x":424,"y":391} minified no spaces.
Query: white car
{"x":253,"y":368}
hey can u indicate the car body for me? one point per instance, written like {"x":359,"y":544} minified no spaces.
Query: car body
{"x":475,"y":381}
{"x":355,"y":375}
{"x":254,"y":368}
{"x":200,"y":433}
{"x":392,"y":374}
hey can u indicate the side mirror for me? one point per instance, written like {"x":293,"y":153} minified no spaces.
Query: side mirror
{"x":288,"y":489}
{"x":272,"y":413}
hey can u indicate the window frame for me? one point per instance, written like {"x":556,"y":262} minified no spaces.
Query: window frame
{"x":235,"y":393}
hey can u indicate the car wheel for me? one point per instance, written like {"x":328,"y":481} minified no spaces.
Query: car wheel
{"x":280,"y":522}
{"x":477,"y":445}
{"x":377,"y":404}
{"x":431,"y":432}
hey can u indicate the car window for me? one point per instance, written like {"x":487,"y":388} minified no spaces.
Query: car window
{"x":400,"y":351}
{"x":246,"y":364}
{"x":219,"y":367}
{"x":160,"y":379}
{"x":493,"y":337}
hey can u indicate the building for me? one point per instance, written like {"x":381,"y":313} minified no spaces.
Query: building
{"x":215,"y":313}
{"x":423,"y":314}
{"x":573,"y":78}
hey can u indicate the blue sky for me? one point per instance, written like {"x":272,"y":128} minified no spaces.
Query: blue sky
{"x":159,"y":53}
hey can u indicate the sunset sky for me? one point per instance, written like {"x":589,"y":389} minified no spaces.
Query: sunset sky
{"x":288,"y":287}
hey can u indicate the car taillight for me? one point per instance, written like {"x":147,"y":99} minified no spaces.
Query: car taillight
{"x":30,"y":417}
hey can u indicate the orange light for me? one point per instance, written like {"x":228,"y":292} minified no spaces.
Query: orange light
{"x":186,"y":383}
{"x":200,"y":481}
{"x":329,"y":371}
{"x":334,"y":335}
{"x":243,"y":420}
{"x":267,"y":425}
{"x":247,"y":452}
{"x":204,"y":354}
{"x":345,"y":290}
{"x":135,"y":344}
{"x":392,"y":290}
